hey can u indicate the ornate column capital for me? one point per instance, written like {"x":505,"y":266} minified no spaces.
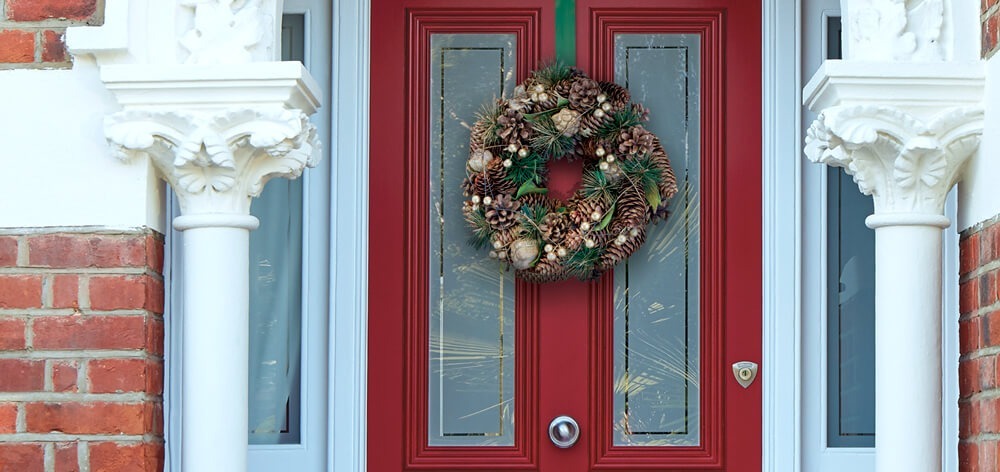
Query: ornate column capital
{"x":906,"y":164}
{"x":216,"y":161}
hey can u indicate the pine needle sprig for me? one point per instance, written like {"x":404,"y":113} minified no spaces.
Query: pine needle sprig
{"x":642,"y":171}
{"x":487,"y":116}
{"x":581,"y":263}
{"x":549,"y":140}
{"x":596,"y":185}
{"x":480,"y":228}
{"x":620,"y":121}
{"x":552,"y":73}
{"x":523,"y":169}
{"x":531,"y":219}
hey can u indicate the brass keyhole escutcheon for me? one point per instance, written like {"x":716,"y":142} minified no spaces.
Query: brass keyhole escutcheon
{"x":745,"y":373}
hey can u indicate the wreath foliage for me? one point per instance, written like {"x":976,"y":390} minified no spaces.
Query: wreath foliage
{"x":559,"y":112}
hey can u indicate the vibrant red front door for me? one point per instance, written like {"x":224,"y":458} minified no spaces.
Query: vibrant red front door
{"x":466,"y":366}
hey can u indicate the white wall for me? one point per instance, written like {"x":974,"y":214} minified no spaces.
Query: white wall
{"x":979,"y":191}
{"x":55,"y":165}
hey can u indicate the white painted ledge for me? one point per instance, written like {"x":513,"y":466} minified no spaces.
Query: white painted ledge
{"x":919,"y":88}
{"x":202,"y":87}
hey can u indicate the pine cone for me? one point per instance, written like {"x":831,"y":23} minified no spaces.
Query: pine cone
{"x":583,"y":94}
{"x":635,"y":141}
{"x":668,"y":182}
{"x":495,"y":179}
{"x":567,"y":121}
{"x":554,"y":228}
{"x":631,"y":211}
{"x":537,"y":200}
{"x":591,"y":122}
{"x":617,"y":95}
{"x":586,"y":149}
{"x":584,"y":211}
{"x":573,"y":240}
{"x":543,"y":271}
{"x":473,"y":185}
{"x":502,"y":213}
{"x":505,"y":237}
{"x":562,"y":88}
{"x":478,"y":136}
{"x":622,"y":246}
{"x":513,"y":129}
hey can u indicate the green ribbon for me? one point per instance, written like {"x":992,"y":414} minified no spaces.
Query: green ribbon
{"x":566,"y":32}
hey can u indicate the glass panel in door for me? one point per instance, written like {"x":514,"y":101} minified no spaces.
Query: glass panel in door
{"x":656,"y":367}
{"x":471,"y":374}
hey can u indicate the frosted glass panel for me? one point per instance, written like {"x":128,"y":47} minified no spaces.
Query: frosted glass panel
{"x":471,"y":385}
{"x":851,"y":315}
{"x":656,"y":290}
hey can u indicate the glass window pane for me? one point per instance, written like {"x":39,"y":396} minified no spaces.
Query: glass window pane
{"x":656,"y":290}
{"x":850,"y":315}
{"x":471,"y":384}
{"x":276,"y":294}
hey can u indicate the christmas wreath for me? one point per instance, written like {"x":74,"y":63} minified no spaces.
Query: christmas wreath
{"x":559,"y":112}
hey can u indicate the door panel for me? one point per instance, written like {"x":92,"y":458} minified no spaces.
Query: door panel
{"x":467,"y":366}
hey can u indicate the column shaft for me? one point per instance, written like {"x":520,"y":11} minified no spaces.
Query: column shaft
{"x":908,"y":349}
{"x":215,"y":349}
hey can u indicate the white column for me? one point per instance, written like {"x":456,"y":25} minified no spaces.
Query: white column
{"x":216,"y":160}
{"x":902,"y":113}
{"x":216,"y":341}
{"x":204,"y":102}
{"x":908,"y":166}
{"x":908,"y":350}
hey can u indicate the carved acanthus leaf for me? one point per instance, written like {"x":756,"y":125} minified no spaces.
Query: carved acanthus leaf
{"x":907,"y":165}
{"x":217,"y":162}
{"x":226,"y":31}
{"x":896,"y":30}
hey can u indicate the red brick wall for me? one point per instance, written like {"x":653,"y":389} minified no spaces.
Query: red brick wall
{"x":991,"y":22}
{"x":31,"y":31}
{"x":979,"y":333}
{"x":81,"y":352}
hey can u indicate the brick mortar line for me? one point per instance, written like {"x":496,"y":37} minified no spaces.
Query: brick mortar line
{"x":981,"y":270}
{"x":85,"y":354}
{"x":989,"y":394}
{"x":978,"y":227}
{"x":89,"y":438}
{"x":979,"y":353}
{"x":38,"y":45}
{"x":81,"y":230}
{"x":83,"y":456}
{"x":86,"y":312}
{"x":981,"y":312}
{"x":980,"y":438}
{"x":49,"y":456}
{"x":22,"y":248}
{"x":78,"y":271}
{"x":73,"y":397}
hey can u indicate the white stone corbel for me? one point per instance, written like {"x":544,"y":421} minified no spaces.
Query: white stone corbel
{"x":205,"y":102}
{"x":906,"y":165}
{"x":903,"y":117}
{"x":217,"y":162}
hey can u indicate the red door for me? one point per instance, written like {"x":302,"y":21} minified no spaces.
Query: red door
{"x":467,"y":367}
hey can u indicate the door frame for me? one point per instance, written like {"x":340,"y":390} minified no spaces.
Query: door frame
{"x":351,"y":48}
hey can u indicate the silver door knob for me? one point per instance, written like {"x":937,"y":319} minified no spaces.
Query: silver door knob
{"x":564,"y":431}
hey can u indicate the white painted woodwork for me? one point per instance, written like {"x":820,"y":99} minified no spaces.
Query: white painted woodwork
{"x":904,"y":130}
{"x":203,"y":100}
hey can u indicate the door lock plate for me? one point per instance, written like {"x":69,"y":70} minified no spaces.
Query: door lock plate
{"x":745,"y":372}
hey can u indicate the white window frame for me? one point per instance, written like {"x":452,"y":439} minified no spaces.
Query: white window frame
{"x":816,"y":455}
{"x":311,"y":453}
